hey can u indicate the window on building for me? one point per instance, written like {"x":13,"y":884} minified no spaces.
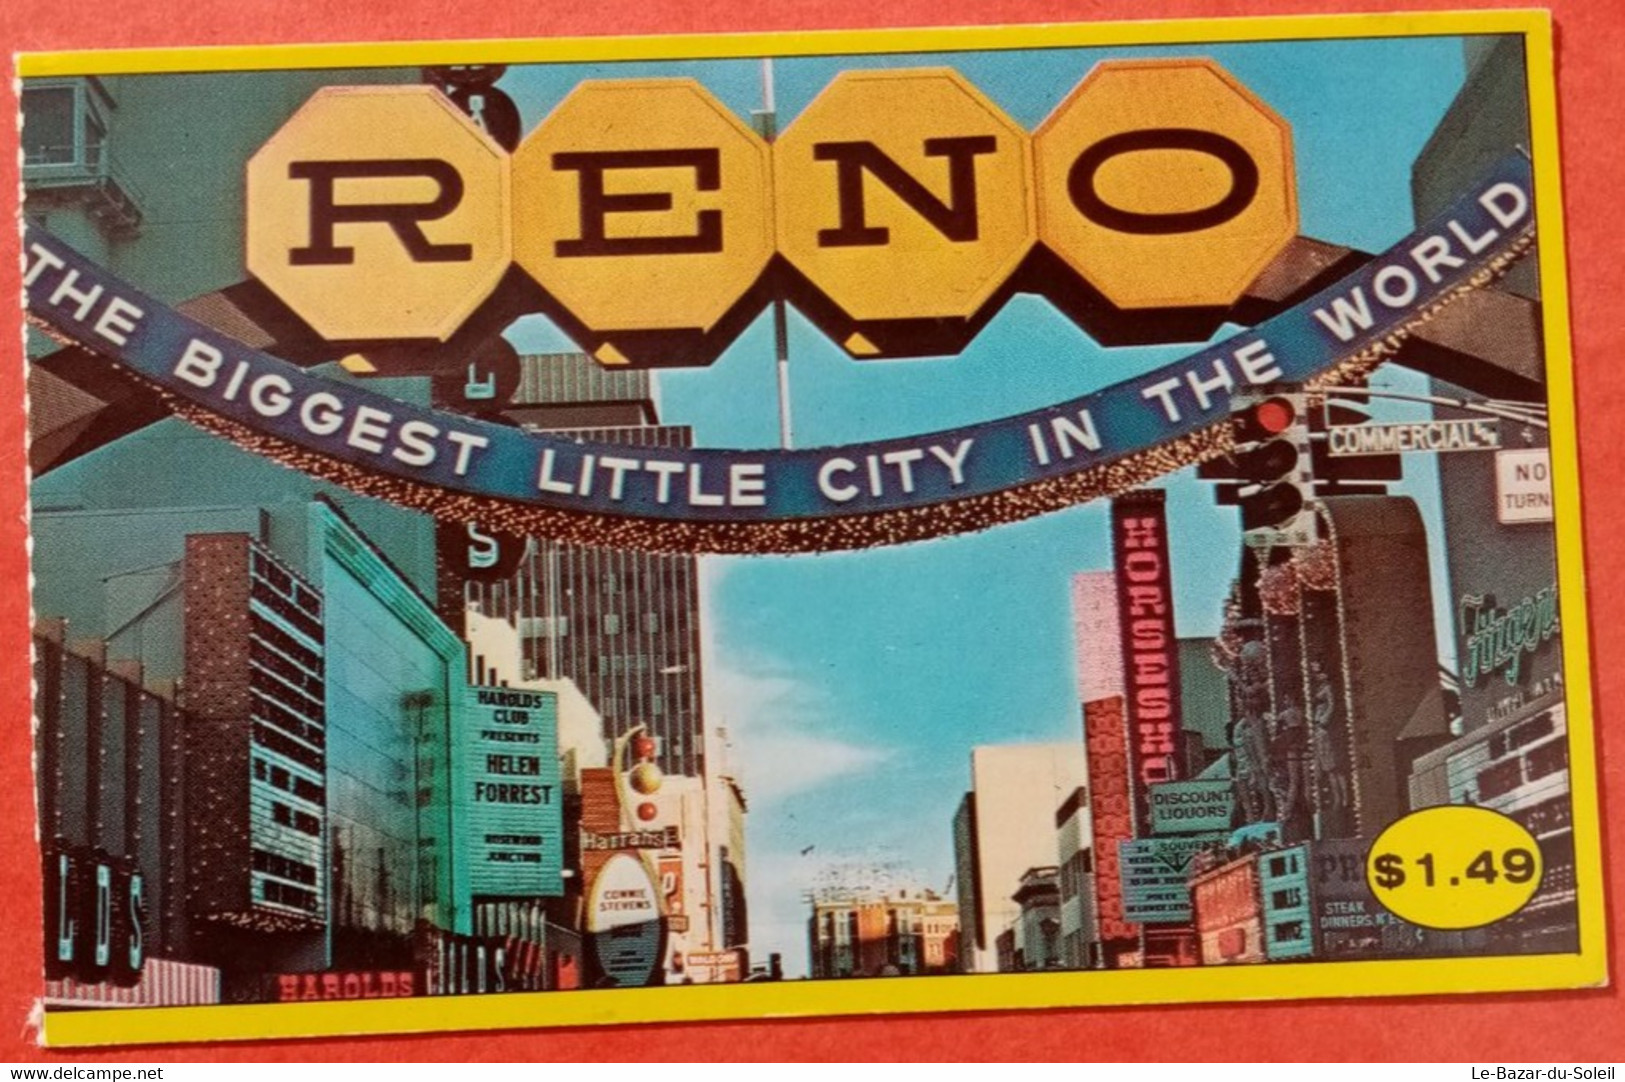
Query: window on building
{"x":52,"y":118}
{"x":1287,"y":899}
{"x":1501,"y":778}
{"x":1290,"y":931}
{"x":1531,"y":731}
{"x":1547,"y":759}
{"x":651,"y":622}
{"x":611,"y":623}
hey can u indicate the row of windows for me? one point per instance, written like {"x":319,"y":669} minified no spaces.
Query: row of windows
{"x":262,"y":680}
{"x":301,"y":677}
{"x":1547,"y":817}
{"x":296,"y":870}
{"x":303,"y":822}
{"x":618,"y":664}
{"x":284,"y":582}
{"x":267,"y":737}
{"x":1508,"y":774}
{"x":610,"y":707}
{"x":269,"y":710}
{"x":297,"y":651}
{"x":298,"y":617}
{"x":1520,"y":735}
{"x":608,"y":623}
{"x":286,"y":894}
{"x":286,"y":780}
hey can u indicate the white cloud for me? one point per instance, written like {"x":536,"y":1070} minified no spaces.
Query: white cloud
{"x":778,"y":723}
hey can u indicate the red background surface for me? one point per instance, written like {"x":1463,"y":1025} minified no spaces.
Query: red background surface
{"x":1556,"y":1027}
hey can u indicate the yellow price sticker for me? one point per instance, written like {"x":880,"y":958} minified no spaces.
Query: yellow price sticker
{"x":1454,"y":867}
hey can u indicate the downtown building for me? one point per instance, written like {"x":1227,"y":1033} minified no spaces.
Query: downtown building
{"x":328,"y":764}
{"x":325,"y":838}
{"x":661,"y":873}
{"x":1510,"y":746}
{"x":1004,"y":828}
{"x":1335,"y":686}
{"x":882,"y":933}
{"x":1335,"y":692}
{"x":1156,"y":720}
{"x":112,"y":799}
{"x":623,"y":625}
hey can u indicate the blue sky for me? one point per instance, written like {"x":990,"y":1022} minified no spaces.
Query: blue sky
{"x":855,"y":685}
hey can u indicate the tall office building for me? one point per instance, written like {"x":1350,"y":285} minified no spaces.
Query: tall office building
{"x":623,"y":625}
{"x":1005,"y":826}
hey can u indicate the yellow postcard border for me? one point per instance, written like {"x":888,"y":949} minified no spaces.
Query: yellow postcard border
{"x":1310,"y":980}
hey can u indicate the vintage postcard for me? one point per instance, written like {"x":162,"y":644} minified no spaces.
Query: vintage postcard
{"x":558,"y":532}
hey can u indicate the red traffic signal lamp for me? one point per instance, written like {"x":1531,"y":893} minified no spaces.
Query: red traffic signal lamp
{"x":1270,"y":417}
{"x":1268,"y":471}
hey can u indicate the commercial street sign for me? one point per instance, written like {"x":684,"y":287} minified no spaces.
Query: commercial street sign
{"x":1347,"y":441}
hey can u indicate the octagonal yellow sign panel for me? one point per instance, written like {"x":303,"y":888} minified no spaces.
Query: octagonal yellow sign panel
{"x":1165,"y":183}
{"x":904,"y":194}
{"x":379,"y":212}
{"x":643,"y":204}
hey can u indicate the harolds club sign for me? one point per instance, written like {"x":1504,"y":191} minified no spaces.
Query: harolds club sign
{"x":898,"y":211}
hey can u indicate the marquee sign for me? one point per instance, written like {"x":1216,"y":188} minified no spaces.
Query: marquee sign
{"x":897,"y":200}
{"x":707,"y":500}
{"x":506,"y":767}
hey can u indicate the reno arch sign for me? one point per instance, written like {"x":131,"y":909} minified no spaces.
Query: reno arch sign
{"x":898,"y":210}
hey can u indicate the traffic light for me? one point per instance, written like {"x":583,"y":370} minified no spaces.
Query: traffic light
{"x":1268,"y":471}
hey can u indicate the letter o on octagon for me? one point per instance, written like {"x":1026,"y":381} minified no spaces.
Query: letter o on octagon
{"x":643,"y":204}
{"x":904,"y":194}
{"x":1165,"y":183}
{"x":379,"y":212}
